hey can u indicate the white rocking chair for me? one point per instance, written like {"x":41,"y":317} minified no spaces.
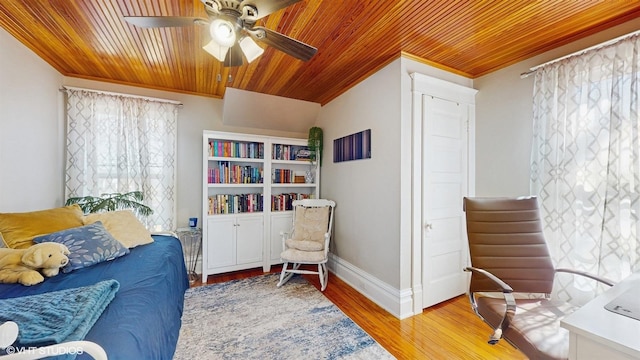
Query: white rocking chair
{"x":308,"y":241}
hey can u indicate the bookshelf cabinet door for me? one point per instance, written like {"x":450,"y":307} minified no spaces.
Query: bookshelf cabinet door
{"x":221,"y":249}
{"x":279,"y":222}
{"x":249,"y":239}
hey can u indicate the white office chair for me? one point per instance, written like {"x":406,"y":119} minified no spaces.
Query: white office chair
{"x":308,"y":241}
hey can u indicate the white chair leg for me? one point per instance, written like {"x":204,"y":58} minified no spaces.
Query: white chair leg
{"x":326,"y":275}
{"x":285,"y":275}
{"x":322,"y":273}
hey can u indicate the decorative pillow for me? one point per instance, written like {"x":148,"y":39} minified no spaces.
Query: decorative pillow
{"x":124,"y":226}
{"x":19,"y":229}
{"x":311,"y":223}
{"x":88,"y":245}
{"x":305,"y":245}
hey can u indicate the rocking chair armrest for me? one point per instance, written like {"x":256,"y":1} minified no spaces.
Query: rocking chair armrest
{"x":510,"y":309}
{"x":327,"y":237}
{"x":588,"y":275}
{"x":503,"y":286}
{"x":285,"y":235}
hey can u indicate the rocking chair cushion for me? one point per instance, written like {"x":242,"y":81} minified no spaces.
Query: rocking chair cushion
{"x":298,"y":256}
{"x":304,"y":245}
{"x":311,"y":223}
{"x":535,"y":327}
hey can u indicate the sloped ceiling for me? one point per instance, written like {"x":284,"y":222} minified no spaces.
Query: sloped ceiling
{"x":255,"y":110}
{"x":90,"y":39}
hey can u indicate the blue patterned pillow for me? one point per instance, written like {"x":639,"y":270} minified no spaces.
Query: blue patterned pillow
{"x":88,"y":245}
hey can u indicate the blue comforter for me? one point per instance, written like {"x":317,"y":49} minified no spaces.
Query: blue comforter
{"x":143,"y":320}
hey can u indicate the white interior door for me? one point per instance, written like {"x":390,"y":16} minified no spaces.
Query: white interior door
{"x":445,"y":182}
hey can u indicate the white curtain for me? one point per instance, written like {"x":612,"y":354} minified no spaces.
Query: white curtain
{"x":117,"y":143}
{"x":585,"y":165}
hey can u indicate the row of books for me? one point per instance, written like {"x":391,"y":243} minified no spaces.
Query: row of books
{"x":235,"y":203}
{"x":236,"y":149}
{"x":282,"y":202}
{"x":290,"y":152}
{"x":246,"y":203}
{"x":226,"y":173}
{"x":285,"y":176}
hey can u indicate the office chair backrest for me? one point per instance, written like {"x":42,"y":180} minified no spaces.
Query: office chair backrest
{"x":505,"y":238}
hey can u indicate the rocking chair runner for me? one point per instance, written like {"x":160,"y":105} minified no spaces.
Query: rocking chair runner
{"x":509,"y":254}
{"x":308,"y":242}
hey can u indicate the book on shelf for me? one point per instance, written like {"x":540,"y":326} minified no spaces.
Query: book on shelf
{"x":236,"y":149}
{"x":290,"y":152}
{"x":235,"y":203}
{"x":286,"y":176}
{"x":283,"y":202}
{"x":226,"y":173}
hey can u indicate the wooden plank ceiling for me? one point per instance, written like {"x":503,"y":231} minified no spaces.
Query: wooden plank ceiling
{"x":90,"y":39}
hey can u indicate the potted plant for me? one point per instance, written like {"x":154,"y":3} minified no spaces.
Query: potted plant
{"x":314,"y":143}
{"x":112,"y":201}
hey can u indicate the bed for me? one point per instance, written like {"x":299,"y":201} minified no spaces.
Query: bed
{"x":143,"y":320}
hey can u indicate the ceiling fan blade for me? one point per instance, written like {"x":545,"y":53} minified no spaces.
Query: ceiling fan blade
{"x":266,"y":7}
{"x":163,"y":21}
{"x":234,"y":56}
{"x":287,"y":45}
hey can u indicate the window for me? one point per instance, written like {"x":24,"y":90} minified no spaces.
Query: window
{"x":585,"y":165}
{"x":119,"y":143}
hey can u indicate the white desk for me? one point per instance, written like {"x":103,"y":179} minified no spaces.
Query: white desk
{"x":597,"y":333}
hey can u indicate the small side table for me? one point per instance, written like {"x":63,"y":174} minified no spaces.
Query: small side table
{"x":191,"y":239}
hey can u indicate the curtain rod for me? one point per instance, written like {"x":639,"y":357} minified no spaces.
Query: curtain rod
{"x":580,"y":52}
{"x":65,"y":88}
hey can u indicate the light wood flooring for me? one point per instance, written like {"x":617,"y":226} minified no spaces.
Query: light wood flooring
{"x":449,"y":330}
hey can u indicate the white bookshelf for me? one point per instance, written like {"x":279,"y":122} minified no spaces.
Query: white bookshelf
{"x":237,"y":232}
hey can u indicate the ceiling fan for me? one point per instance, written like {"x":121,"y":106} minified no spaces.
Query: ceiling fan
{"x":232,"y":25}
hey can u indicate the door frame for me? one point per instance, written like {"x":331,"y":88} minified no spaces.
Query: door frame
{"x":426,"y":85}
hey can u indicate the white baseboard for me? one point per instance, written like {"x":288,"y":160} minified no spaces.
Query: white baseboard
{"x":397,"y":302}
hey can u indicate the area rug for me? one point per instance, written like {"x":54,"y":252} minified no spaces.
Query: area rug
{"x":253,"y":319}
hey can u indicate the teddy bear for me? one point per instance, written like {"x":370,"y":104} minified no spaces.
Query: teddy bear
{"x":26,"y":266}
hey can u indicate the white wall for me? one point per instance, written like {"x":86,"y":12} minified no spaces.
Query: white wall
{"x":366,"y":191}
{"x":504,"y":112}
{"x":31,"y":138}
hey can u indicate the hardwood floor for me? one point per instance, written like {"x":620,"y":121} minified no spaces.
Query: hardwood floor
{"x":449,"y":330}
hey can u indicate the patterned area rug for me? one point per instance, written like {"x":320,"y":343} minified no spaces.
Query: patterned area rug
{"x":253,"y":319}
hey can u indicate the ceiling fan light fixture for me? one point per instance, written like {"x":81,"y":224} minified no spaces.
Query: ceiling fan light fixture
{"x":223,"y":32}
{"x":250,"y":48}
{"x":219,"y":52}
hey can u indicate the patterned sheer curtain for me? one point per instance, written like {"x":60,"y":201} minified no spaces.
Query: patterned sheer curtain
{"x":118,"y":143}
{"x":585,"y":166}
